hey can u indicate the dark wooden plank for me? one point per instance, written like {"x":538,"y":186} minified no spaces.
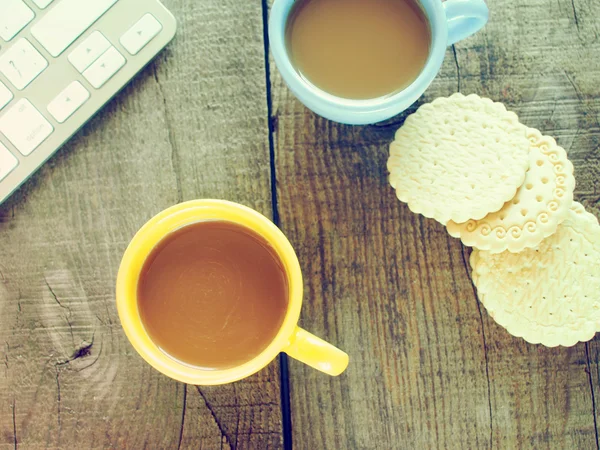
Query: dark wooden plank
{"x":192,"y":125}
{"x":429,"y":368}
{"x":546,"y":71}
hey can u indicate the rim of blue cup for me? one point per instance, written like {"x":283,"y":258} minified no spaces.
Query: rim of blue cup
{"x":357,"y":112}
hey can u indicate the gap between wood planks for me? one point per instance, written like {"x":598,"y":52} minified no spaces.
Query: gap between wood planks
{"x":286,"y":414}
{"x":589,"y":372}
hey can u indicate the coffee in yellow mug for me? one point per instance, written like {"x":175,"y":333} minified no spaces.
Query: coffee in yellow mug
{"x":210,"y":292}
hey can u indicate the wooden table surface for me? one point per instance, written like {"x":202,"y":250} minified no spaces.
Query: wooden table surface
{"x":211,"y":117}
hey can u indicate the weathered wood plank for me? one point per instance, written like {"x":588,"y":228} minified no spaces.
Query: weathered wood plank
{"x":192,"y":125}
{"x":429,"y":368}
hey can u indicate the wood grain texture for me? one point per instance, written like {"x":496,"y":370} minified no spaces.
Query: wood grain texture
{"x":429,"y":368}
{"x":192,"y":125}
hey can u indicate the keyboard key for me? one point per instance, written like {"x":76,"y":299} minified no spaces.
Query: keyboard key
{"x":22,"y":63}
{"x":88,"y":51}
{"x":14,"y":16}
{"x":42,"y":3}
{"x":140,"y":34}
{"x":5,"y":95}
{"x":104,"y":68}
{"x":8,"y":162}
{"x":66,"y":21}
{"x":68,"y":101}
{"x":25,"y":127}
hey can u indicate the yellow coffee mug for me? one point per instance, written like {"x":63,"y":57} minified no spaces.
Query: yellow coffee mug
{"x":291,"y":339}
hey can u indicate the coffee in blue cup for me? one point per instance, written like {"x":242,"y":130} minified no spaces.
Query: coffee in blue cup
{"x":364,"y":61}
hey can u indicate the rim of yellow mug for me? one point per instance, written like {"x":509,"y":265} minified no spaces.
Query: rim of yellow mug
{"x":150,"y":235}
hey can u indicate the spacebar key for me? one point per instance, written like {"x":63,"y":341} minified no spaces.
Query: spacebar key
{"x":66,"y":21}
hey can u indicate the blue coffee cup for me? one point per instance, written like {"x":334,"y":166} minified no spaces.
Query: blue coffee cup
{"x":449,"y":21}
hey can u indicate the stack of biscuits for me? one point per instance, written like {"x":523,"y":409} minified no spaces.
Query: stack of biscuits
{"x":507,"y":191}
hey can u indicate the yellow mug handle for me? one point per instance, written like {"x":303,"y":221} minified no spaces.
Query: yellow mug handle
{"x":315,"y":352}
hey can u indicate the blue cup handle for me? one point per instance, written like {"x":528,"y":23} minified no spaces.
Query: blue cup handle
{"x":465,"y":18}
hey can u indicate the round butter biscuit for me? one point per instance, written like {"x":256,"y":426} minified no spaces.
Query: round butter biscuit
{"x":539,"y":206}
{"x":459,"y":158}
{"x":549,"y":295}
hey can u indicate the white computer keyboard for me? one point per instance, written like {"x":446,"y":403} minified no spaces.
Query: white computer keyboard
{"x":60,"y":62}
